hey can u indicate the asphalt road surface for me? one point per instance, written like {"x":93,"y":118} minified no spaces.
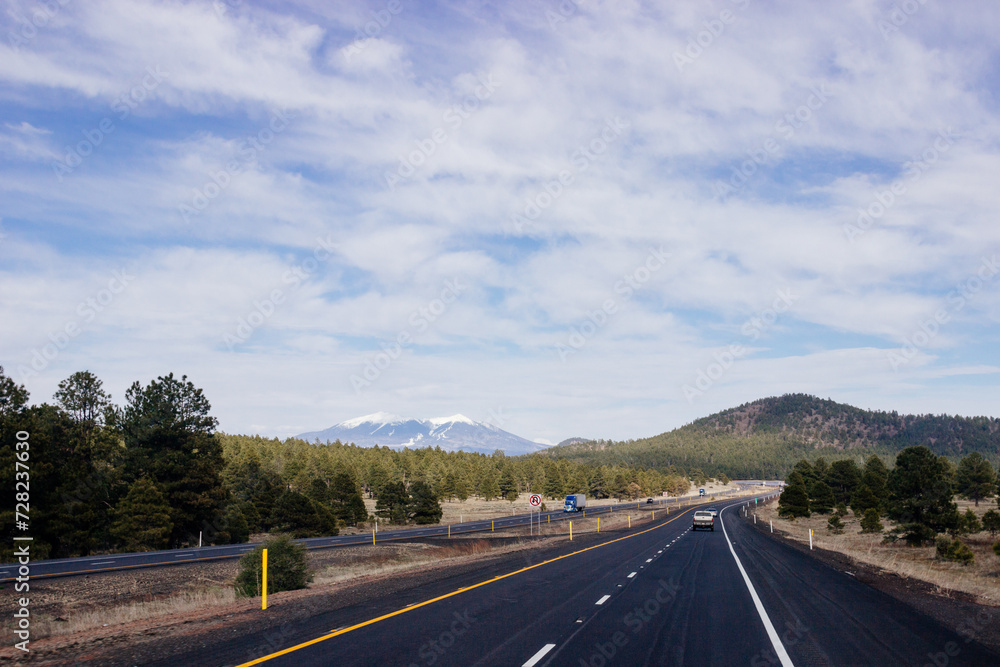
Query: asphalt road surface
{"x":660,"y":595}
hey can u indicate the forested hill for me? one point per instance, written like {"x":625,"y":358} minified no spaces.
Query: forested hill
{"x":766,"y":437}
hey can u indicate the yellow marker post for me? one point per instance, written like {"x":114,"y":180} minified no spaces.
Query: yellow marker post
{"x":598,"y":524}
{"x":449,"y":530}
{"x":549,"y":519}
{"x":263,"y":599}
{"x":570,"y":531}
{"x":629,"y":520}
{"x":373,"y":537}
{"x":493,"y":526}
{"x":654,"y":515}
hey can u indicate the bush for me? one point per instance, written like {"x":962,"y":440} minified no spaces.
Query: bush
{"x":917,"y":534}
{"x":870,"y":521}
{"x":991,"y":522}
{"x":996,"y":548}
{"x":835,"y":525}
{"x":841,"y":510}
{"x":956,"y":550}
{"x":287,"y":568}
{"x":970,"y":523}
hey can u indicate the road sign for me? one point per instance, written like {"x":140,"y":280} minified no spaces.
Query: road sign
{"x":535,"y":500}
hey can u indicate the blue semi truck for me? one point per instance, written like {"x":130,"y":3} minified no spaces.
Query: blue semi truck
{"x":575,"y":502}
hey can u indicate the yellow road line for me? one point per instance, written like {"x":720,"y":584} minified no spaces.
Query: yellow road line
{"x":411,"y":607}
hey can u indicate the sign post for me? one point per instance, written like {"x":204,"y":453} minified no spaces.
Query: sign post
{"x":535,"y":500}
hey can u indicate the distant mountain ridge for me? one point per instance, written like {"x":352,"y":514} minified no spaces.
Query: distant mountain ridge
{"x":765,"y":437}
{"x":452,"y":434}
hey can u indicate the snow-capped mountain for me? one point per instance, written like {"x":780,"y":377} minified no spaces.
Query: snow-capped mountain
{"x":455,"y":433}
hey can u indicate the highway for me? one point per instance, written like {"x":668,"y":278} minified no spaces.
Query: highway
{"x":657,"y":595}
{"x":63,"y":567}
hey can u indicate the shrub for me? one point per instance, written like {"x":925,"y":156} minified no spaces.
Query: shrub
{"x":870,"y":521}
{"x":996,"y":548}
{"x":287,"y":568}
{"x":917,"y":534}
{"x":841,"y":510}
{"x":835,"y":525}
{"x":956,"y":550}
{"x":991,"y":522}
{"x":970,"y":523}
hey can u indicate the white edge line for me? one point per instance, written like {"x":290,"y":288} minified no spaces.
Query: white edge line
{"x":603,"y":599}
{"x":779,"y":648}
{"x":538,"y":656}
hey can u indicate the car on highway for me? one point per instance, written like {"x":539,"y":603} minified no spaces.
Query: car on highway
{"x":703,"y":519}
{"x":649,"y":501}
{"x":714,"y":511}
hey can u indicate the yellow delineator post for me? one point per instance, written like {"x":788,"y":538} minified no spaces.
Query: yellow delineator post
{"x":449,"y":530}
{"x":629,"y":520}
{"x":373,"y":537}
{"x":654,"y":515}
{"x":570,"y":531}
{"x":598,"y":524}
{"x":493,"y":526}
{"x":263,"y":599}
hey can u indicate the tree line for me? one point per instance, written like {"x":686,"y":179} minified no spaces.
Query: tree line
{"x":154,"y":473}
{"x":917,"y":493}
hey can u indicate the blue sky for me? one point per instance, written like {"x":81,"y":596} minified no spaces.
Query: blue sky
{"x":587,"y":218}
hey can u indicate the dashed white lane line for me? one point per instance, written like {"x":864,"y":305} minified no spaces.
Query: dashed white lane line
{"x":538,"y":656}
{"x":603,"y":599}
{"x":649,"y":560}
{"x":631,"y":575}
{"x":104,"y":562}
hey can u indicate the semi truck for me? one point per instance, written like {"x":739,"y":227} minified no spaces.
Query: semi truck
{"x":575,"y":502}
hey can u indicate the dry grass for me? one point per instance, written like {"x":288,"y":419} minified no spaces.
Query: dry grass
{"x":980,"y":579}
{"x":187,"y":601}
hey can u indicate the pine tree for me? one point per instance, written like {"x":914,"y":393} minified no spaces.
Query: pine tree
{"x":345,"y":498}
{"x":821,"y":498}
{"x":876,"y":478}
{"x":975,"y":478}
{"x":391,"y":502}
{"x":142,"y":518}
{"x":489,"y":488}
{"x":843,"y":477}
{"x":794,"y":502}
{"x":863,"y":500}
{"x":921,"y":495}
{"x":423,"y":507}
